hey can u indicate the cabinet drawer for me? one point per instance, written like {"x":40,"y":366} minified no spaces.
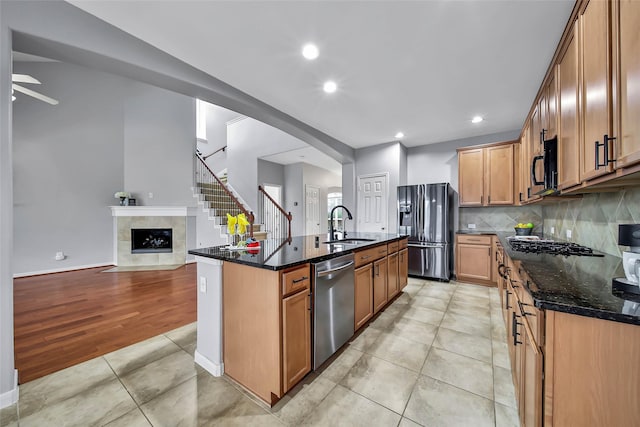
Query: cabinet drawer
{"x":484,"y":239}
{"x":393,"y":247}
{"x":403,"y":243}
{"x":295,"y":280}
{"x":369,"y":255}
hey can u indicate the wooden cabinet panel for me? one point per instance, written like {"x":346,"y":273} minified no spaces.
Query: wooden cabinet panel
{"x":473,"y":260}
{"x":403,"y":268}
{"x":551,"y":119}
{"x":499,"y":175}
{"x":596,"y":93}
{"x":471,"y":177}
{"x":379,"y":284}
{"x":592,"y":374}
{"x":535,"y":150}
{"x":628,"y":142}
{"x":363,"y":295}
{"x":392,"y":276}
{"x":568,"y":135}
{"x":531,"y":383}
{"x":296,"y":338}
{"x":369,"y":255}
{"x":474,"y":239}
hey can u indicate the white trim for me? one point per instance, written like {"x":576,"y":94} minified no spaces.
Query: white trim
{"x":62,"y":270}
{"x":10,"y":397}
{"x":152,"y":211}
{"x":209,"y":366}
{"x":207,"y":260}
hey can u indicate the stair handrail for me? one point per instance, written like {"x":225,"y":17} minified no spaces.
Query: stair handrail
{"x":217,"y":151}
{"x":248,"y":214}
{"x":285,"y":214}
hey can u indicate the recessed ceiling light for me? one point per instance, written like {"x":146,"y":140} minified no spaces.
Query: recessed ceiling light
{"x":477,"y":119}
{"x":310,"y":51}
{"x":330,"y":86}
{"x":399,"y":135}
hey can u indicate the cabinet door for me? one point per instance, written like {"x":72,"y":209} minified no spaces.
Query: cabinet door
{"x":629,"y":72}
{"x":531,"y":383}
{"x":403,"y":268}
{"x":379,"y":284}
{"x":551,"y":124}
{"x":296,"y":338}
{"x":474,"y":262}
{"x":596,"y":93}
{"x":568,"y":153}
{"x":499,"y":175}
{"x":363,"y":295}
{"x":471,"y":177}
{"x":392,"y":277}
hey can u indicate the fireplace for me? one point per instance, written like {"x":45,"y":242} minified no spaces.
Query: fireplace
{"x":151,"y":240}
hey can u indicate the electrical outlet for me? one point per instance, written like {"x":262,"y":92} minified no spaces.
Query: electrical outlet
{"x":150,"y":195}
{"x":60,"y":256}
{"x":203,"y":285}
{"x":471,"y":226}
{"x":568,"y":234}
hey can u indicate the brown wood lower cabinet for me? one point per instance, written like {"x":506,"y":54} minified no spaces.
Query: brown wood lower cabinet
{"x":474,"y":262}
{"x":392,"y":281}
{"x":266,"y":334}
{"x":568,"y":370}
{"x":296,"y":336}
{"x":379,"y":284}
{"x":403,"y":268}
{"x":363,"y":295}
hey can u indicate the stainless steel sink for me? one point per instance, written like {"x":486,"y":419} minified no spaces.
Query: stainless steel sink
{"x":349,"y":241}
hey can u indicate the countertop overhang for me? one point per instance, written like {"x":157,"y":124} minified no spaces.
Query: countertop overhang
{"x":278,"y":254}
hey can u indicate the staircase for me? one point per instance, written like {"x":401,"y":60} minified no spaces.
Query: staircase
{"x":217,"y":199}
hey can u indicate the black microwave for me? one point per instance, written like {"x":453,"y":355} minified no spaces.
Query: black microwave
{"x":550,"y":168}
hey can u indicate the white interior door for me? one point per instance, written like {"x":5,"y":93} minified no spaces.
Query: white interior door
{"x":275,"y":192}
{"x":312,"y":210}
{"x":372,"y":203}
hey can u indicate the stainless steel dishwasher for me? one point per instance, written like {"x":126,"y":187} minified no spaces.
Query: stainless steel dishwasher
{"x":333,"y":306}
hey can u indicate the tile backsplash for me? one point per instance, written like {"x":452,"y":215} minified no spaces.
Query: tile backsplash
{"x":593,"y":219}
{"x":500,"y":218}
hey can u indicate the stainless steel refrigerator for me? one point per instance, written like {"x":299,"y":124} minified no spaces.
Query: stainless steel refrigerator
{"x":425,"y":215}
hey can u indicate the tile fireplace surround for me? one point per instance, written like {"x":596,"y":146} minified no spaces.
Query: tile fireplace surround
{"x":127,"y":217}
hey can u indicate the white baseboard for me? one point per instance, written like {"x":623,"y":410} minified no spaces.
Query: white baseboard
{"x":213,"y":368}
{"x":10,"y":397}
{"x":61,"y":270}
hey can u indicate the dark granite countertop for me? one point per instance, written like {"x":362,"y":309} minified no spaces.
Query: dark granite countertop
{"x":474,"y":231}
{"x":576,"y":284}
{"x":278,"y":254}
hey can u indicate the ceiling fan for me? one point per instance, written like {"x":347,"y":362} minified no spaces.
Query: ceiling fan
{"x":25,"y":78}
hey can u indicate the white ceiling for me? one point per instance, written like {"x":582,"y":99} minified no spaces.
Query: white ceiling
{"x":422,"y":67}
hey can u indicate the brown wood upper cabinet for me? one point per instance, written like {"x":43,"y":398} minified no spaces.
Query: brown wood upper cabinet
{"x":627,"y":71}
{"x":486,"y":175}
{"x":595,"y":48}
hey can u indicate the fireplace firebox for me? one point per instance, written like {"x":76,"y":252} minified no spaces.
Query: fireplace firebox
{"x":151,"y":240}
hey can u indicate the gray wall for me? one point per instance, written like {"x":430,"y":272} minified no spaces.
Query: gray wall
{"x":67,"y":167}
{"x":159,"y":142}
{"x":380,"y":159}
{"x":270,"y":173}
{"x":7,"y":385}
{"x":247,"y":140}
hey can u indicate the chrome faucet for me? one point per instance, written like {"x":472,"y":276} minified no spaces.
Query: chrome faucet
{"x":332,"y":232}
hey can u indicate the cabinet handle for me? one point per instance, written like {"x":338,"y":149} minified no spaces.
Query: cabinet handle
{"x":378,"y":270}
{"x":524,"y":313}
{"x":309,"y":295}
{"x":489,"y":199}
{"x":300,"y":279}
{"x":514,"y":328}
{"x":605,"y":146}
{"x":542,"y":133}
{"x":501,"y":269}
{"x":481,"y":199}
{"x":363,"y":257}
{"x":520,"y":196}
{"x":489,"y":252}
{"x":529,"y":193}
{"x":506,"y":300}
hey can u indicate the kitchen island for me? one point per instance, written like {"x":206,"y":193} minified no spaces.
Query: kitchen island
{"x":574,"y":341}
{"x":254,"y":304}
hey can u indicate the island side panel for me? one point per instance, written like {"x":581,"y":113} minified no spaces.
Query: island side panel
{"x":251,"y":328}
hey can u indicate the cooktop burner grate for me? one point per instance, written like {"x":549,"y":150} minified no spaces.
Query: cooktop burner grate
{"x":551,"y":247}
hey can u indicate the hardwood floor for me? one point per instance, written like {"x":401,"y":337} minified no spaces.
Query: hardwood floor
{"x":66,"y":318}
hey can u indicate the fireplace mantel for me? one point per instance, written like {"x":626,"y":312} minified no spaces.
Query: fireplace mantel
{"x":152,"y":211}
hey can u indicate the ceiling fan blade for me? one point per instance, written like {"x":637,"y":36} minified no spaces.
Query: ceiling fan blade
{"x":35,"y":94}
{"x":24,"y":78}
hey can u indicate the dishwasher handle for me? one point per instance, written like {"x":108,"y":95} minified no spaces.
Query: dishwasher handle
{"x":333,"y":270}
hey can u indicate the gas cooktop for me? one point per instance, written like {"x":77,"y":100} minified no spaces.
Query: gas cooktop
{"x":551,"y":247}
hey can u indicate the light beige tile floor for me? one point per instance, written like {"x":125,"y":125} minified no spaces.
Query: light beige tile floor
{"x":437,"y":356}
